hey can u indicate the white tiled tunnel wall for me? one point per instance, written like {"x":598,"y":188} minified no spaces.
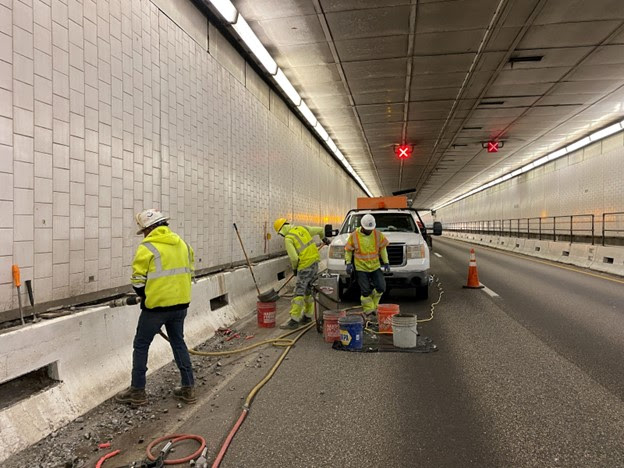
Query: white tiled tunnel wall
{"x":107,"y":107}
{"x":588,"y":181}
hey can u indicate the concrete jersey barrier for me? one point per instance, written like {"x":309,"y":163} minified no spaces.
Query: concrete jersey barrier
{"x":90,"y":352}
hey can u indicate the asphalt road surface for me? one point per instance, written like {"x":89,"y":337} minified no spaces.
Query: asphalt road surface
{"x":531,"y":377}
{"x":528,"y":374}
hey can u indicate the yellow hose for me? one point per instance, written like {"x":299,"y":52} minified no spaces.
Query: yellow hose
{"x":280,"y":341}
{"x":433,"y":305}
{"x":267,"y":377}
{"x":441,"y":290}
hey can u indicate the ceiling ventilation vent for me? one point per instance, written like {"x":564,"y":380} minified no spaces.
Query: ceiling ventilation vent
{"x":491,"y":103}
{"x":528,"y":58}
{"x":472,"y":128}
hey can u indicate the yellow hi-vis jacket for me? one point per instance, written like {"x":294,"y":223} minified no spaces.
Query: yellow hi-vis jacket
{"x":162,"y":269}
{"x":301,"y":249}
{"x":367,"y":250}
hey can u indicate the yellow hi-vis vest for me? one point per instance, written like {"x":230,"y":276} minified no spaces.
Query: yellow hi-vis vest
{"x":367,"y":250}
{"x":305,"y":247}
{"x":163,"y":265}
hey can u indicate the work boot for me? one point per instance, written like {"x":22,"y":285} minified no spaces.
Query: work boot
{"x":290,"y":325}
{"x":305,"y":319}
{"x":186,"y":394}
{"x":132,"y":396}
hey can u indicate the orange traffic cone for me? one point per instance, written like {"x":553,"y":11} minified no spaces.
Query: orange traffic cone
{"x":473,"y":276}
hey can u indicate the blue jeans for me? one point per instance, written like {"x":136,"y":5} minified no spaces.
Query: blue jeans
{"x":148,"y":326}
{"x":371,"y":280}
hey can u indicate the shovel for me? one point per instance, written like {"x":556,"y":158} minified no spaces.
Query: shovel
{"x":272,"y":295}
{"x":247,"y":258}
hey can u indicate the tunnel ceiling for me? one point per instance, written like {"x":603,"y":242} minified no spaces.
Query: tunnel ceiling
{"x":446,"y":76}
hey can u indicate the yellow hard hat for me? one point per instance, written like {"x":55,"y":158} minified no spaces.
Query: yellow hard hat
{"x":279,"y":224}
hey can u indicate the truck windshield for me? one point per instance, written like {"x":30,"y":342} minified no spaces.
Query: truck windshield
{"x":386,"y":222}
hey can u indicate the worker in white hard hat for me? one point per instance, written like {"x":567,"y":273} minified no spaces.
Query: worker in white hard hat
{"x":304,"y":259}
{"x":367,"y":246}
{"x":161,"y":275}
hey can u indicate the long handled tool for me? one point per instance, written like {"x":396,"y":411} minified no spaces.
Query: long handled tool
{"x":17,"y":282}
{"x":272,"y":295}
{"x":247,"y":258}
{"x":31,"y":298}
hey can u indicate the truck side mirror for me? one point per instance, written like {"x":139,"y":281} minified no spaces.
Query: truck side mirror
{"x":437,"y":228}
{"x":329,"y":231}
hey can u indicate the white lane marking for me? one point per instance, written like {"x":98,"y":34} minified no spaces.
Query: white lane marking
{"x":489,"y":291}
{"x":437,"y":254}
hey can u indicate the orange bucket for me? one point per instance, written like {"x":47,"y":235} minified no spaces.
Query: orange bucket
{"x":384,"y":314}
{"x":331,"y":329}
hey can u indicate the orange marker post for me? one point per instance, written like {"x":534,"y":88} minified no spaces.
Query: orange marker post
{"x":17,"y":282}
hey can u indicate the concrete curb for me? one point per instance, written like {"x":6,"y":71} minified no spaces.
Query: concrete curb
{"x":91,"y":352}
{"x":604,"y":259}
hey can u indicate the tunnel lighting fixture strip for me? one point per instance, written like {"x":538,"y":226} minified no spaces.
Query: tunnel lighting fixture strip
{"x":226,"y":9}
{"x":287,"y":87}
{"x":596,"y":136}
{"x":231,"y":15}
{"x":257,"y":48}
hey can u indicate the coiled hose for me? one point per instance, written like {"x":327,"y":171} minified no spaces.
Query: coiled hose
{"x":438,"y":284}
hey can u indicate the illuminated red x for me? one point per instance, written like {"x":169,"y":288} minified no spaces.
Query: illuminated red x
{"x":492,"y":147}
{"x":403,"y":151}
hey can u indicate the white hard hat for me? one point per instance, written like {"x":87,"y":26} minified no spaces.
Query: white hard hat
{"x":368,"y":222}
{"x":147,"y":218}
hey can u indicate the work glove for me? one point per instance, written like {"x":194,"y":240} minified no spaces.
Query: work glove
{"x":386,"y":268}
{"x":295,"y":272}
{"x":350,"y":269}
{"x":326,"y":241}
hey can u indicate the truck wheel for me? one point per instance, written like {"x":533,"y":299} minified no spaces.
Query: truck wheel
{"x":422,"y":292}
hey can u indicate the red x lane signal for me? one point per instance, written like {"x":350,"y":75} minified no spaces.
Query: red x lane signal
{"x":404,"y":151}
{"x":492,"y":147}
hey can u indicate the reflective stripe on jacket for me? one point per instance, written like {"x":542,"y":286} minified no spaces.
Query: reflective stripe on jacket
{"x":163,"y":265}
{"x":301,"y":249}
{"x":366,"y":250}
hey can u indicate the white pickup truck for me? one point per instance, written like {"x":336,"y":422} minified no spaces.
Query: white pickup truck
{"x":408,"y":251}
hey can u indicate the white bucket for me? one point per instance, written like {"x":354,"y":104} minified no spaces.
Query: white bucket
{"x":404,"y":331}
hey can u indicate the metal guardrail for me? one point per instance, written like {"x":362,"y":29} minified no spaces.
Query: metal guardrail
{"x":616,"y":218}
{"x":580,"y":228}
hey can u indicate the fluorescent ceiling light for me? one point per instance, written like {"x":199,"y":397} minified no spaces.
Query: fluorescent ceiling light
{"x":307,"y":113}
{"x":321,"y":131}
{"x":578,"y":144}
{"x":230,"y":14}
{"x":605,"y":132}
{"x":528,"y":167}
{"x":540,"y":161}
{"x":287,"y":87}
{"x":225,"y":9}
{"x":557,"y":154}
{"x":596,"y":136}
{"x":332,"y":145}
{"x":251,"y":40}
